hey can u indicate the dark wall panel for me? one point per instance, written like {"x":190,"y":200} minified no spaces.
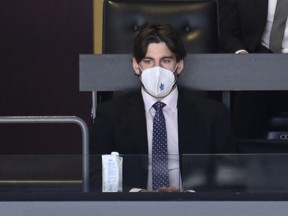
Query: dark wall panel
{"x":40,"y":43}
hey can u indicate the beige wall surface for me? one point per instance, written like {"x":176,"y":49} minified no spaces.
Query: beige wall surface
{"x":97,"y":25}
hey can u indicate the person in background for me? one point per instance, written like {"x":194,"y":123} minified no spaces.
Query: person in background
{"x":128,"y":123}
{"x":254,"y":26}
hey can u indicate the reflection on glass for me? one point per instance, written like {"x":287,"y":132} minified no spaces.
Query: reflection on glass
{"x":41,"y":173}
{"x":200,"y":173}
{"x":207,"y":173}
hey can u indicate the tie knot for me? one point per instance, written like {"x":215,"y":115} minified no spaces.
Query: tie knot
{"x":158,"y":105}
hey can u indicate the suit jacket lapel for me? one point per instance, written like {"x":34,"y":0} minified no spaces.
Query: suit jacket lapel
{"x":186,"y":123}
{"x":258,"y":18}
{"x":137,"y":121}
{"x":263,"y":11}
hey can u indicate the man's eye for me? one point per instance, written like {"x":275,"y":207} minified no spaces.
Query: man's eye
{"x":147,"y":61}
{"x":166,"y":61}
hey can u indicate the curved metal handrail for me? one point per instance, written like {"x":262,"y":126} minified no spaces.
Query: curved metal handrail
{"x":59,"y":119}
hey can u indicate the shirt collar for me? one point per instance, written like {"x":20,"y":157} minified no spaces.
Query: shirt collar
{"x":170,"y":100}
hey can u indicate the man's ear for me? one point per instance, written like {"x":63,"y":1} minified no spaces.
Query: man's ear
{"x":180,"y":67}
{"x":135,"y":66}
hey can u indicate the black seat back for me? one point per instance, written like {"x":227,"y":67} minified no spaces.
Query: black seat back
{"x":195,"y":20}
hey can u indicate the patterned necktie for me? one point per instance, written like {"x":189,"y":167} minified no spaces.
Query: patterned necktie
{"x":159,"y":149}
{"x":278,"y":27}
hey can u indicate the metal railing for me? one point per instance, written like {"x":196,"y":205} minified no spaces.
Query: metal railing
{"x":59,"y":120}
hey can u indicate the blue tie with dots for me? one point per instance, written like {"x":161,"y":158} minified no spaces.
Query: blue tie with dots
{"x":159,"y":149}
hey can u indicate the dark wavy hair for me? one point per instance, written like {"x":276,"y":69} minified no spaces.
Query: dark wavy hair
{"x":156,"y":33}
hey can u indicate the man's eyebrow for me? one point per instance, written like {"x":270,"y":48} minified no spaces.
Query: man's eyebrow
{"x":167,"y":57}
{"x":147,"y":57}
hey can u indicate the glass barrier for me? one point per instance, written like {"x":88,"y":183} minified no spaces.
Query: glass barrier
{"x":236,"y":173}
{"x":41,"y":173}
{"x":208,"y":185}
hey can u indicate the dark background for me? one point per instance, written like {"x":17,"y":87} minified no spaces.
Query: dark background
{"x":40,"y":43}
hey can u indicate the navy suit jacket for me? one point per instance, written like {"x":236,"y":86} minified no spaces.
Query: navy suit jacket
{"x":242,"y":23}
{"x":120,"y":125}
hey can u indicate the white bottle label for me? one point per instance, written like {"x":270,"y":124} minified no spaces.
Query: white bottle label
{"x":112,"y":172}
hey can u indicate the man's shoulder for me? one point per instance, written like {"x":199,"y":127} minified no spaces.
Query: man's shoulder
{"x":197,"y":97}
{"x":200,"y":101}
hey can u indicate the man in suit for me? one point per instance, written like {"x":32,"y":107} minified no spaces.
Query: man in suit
{"x":194,"y":124}
{"x":245,"y":27}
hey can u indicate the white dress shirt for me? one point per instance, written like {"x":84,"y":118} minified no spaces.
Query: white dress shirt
{"x":171,"y":119}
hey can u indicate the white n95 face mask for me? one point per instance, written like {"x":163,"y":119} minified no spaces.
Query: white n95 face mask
{"x":158,"y":81}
